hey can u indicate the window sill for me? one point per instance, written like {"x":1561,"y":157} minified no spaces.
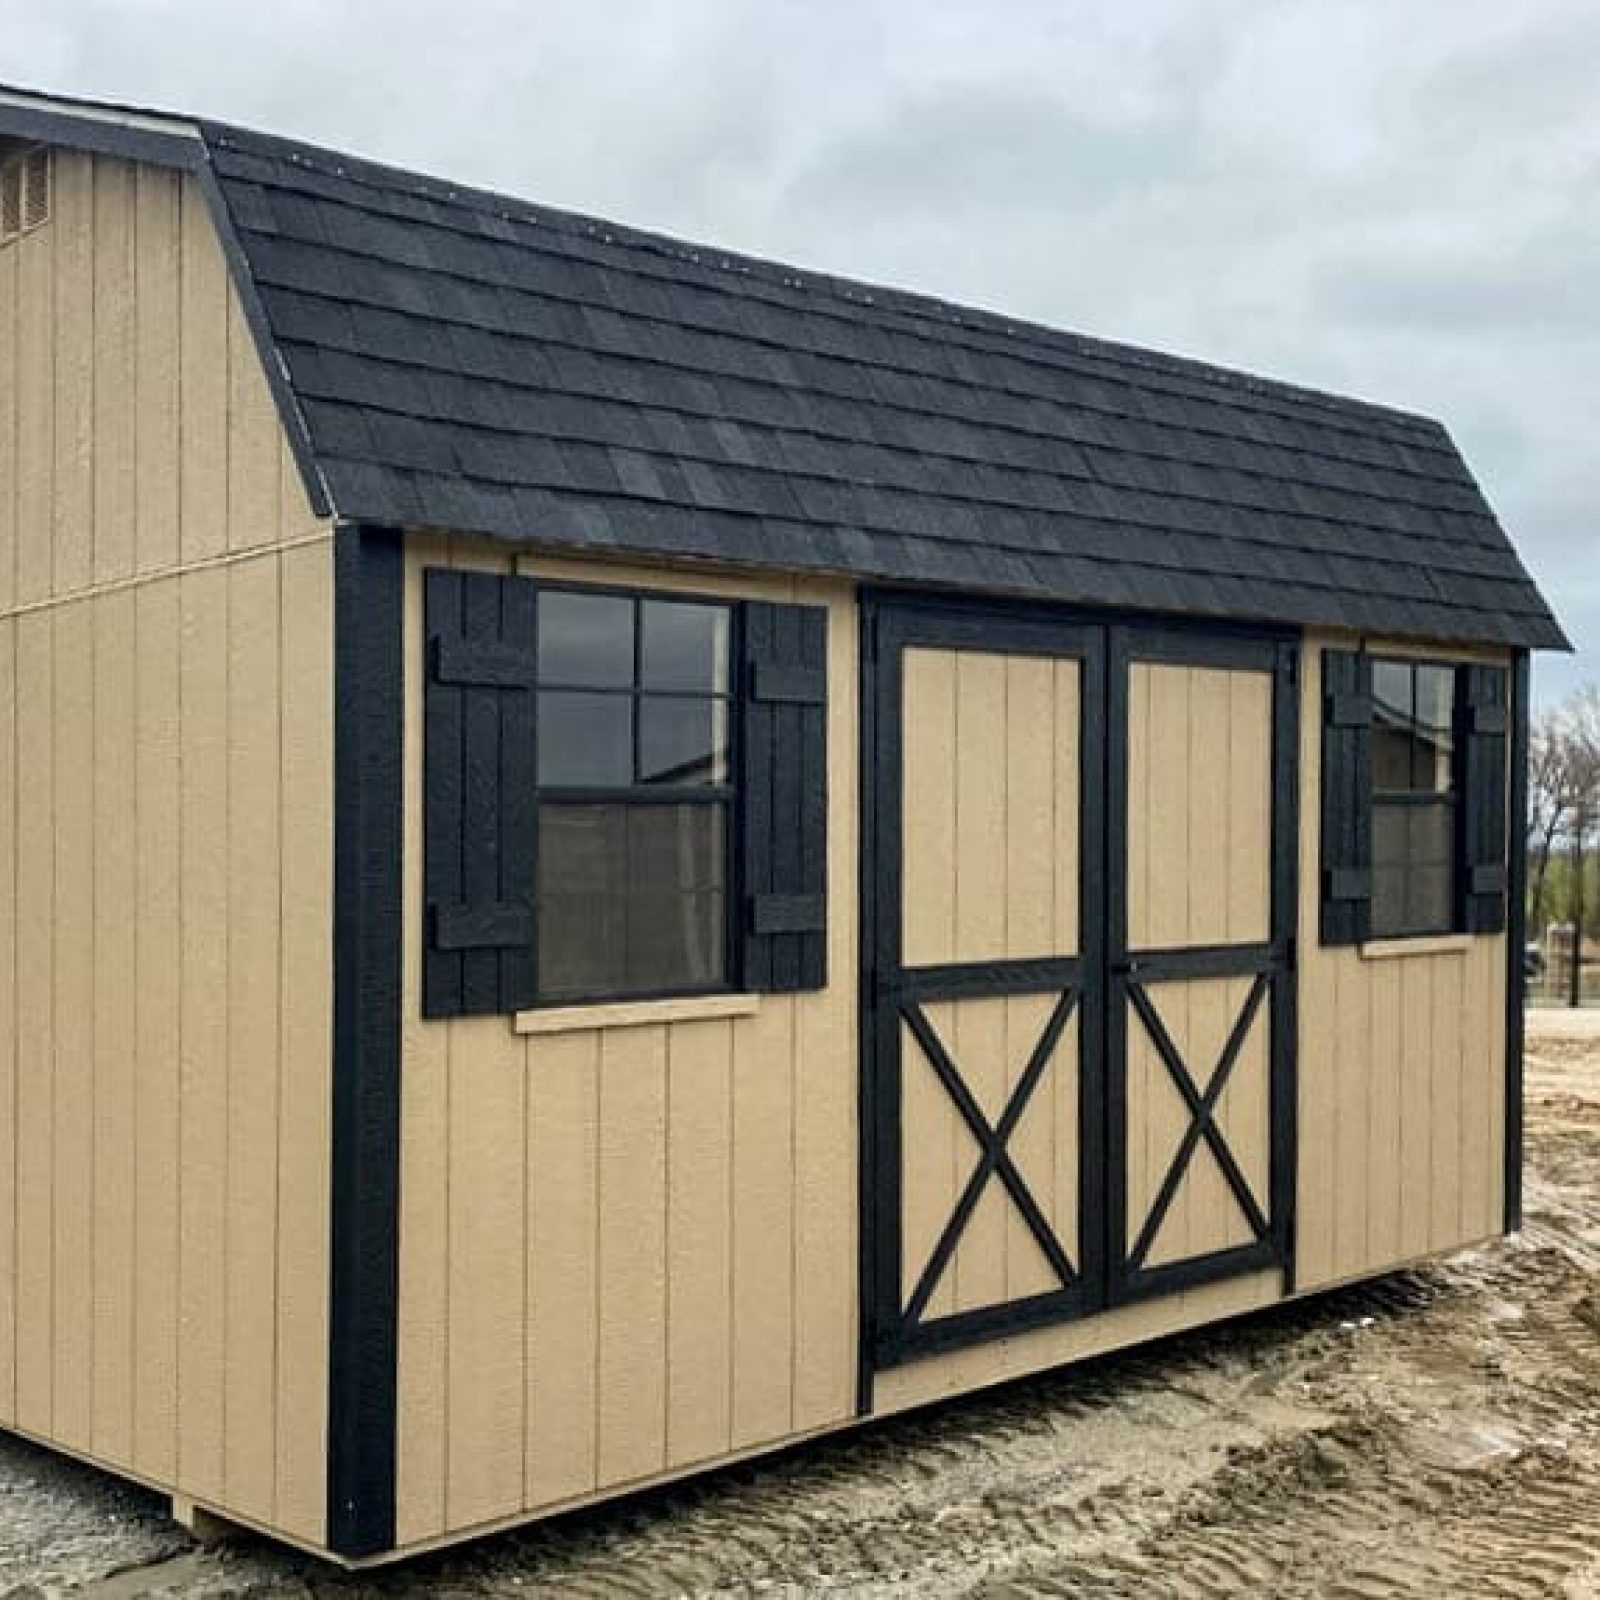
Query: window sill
{"x":635,"y":1013}
{"x":1428,"y":944}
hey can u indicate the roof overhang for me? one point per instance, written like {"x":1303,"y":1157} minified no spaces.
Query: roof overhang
{"x":105,"y":130}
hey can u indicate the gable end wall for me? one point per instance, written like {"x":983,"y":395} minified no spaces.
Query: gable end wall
{"x":165,"y":865}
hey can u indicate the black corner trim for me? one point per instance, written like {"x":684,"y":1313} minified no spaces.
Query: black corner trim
{"x":1516,"y":917}
{"x":368,"y":818}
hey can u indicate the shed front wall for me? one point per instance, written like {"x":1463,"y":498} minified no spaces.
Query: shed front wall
{"x":1402,"y":1064}
{"x":624,"y":1251}
{"x":165,"y":866}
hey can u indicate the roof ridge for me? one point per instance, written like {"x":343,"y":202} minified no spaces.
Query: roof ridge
{"x":936,"y":308}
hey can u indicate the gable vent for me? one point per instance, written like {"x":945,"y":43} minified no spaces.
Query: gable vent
{"x":24,"y":193}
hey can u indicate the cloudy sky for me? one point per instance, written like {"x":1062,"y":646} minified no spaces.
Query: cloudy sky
{"x":1398,"y":200}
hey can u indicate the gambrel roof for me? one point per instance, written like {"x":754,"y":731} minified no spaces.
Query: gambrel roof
{"x":453,"y":359}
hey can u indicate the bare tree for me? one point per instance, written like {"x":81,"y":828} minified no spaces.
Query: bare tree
{"x":1581,"y":719}
{"x":1550,"y":798}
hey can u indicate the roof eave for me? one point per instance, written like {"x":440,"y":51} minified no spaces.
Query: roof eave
{"x":101,"y":129}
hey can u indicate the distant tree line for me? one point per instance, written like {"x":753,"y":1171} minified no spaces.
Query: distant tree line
{"x":1563,"y":838}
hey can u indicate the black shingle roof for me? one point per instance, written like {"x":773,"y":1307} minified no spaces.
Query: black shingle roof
{"x":468,"y":362}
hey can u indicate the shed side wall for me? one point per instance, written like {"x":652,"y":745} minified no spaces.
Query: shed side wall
{"x":629,"y":1251}
{"x":1402,"y":1067}
{"x":165,"y":865}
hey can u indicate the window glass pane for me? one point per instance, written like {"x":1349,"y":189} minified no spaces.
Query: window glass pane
{"x":1391,"y":836}
{"x":1413,"y":872}
{"x":674,"y":942}
{"x":674,"y":848}
{"x":675,"y":873}
{"x":684,"y":646}
{"x":1433,"y":769}
{"x":631,"y":899}
{"x":582,"y":900}
{"x":585,"y":739}
{"x":1429,"y":907}
{"x":1391,"y":725}
{"x":585,"y":639}
{"x":1432,"y":834}
{"x":683,"y":741}
{"x":1388,"y":901}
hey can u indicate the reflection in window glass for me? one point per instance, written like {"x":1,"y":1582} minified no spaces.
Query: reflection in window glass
{"x":585,"y":740}
{"x":683,"y":646}
{"x":682,"y":741}
{"x":585,"y":640}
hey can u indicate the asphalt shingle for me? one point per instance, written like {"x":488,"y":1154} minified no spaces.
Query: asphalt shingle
{"x":470,"y":362}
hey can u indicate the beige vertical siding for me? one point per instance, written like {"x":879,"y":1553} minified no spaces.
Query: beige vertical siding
{"x":165,"y":866}
{"x":624,"y":1251}
{"x":1401,"y":1071}
{"x":1199,"y":867}
{"x":990,"y":872}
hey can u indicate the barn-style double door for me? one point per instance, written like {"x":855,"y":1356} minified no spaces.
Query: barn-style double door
{"x":1079,"y":988}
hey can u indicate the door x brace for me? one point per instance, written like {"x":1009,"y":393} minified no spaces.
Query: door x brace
{"x":1202,"y":1112}
{"x":994,"y":1158}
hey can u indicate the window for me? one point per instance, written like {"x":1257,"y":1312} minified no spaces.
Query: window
{"x":634,"y":782}
{"x":1414,"y":798}
{"x":1415,"y":792}
{"x":624,"y":795}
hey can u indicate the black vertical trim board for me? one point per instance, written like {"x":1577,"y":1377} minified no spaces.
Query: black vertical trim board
{"x":870,"y":866}
{"x":1345,"y":889}
{"x":1483,"y":728}
{"x":1283,"y":1095}
{"x":368,"y":741}
{"x":1119,"y":659}
{"x":1516,"y":935}
{"x":782,"y":823}
{"x":480,"y":822}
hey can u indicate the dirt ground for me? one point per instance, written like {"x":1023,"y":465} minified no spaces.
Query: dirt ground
{"x":1434,"y":1434}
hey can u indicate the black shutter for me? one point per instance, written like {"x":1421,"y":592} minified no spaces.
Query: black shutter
{"x":1483,"y":730}
{"x":480,"y":820}
{"x":783,"y":797}
{"x":1346,"y":890}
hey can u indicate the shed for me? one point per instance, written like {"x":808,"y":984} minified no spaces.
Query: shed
{"x":613,"y":856}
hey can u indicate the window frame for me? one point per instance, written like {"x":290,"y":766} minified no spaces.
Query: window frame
{"x":725,"y":795}
{"x":1414,"y":799}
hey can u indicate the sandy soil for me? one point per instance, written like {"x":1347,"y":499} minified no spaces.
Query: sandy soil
{"x":1436,"y":1434}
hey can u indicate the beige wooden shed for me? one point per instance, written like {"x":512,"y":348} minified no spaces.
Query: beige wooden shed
{"x":613,"y":856}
